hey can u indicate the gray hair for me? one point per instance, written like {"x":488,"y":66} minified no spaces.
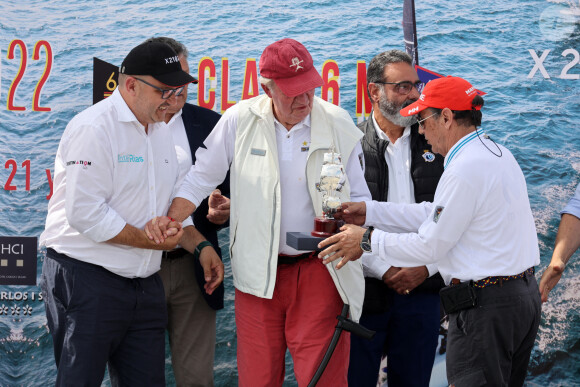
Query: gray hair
{"x":376,"y":70}
{"x":266,"y":82}
{"x":178,"y":47}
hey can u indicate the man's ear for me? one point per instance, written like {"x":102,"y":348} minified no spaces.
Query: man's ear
{"x":129,"y":84}
{"x":374,"y":92}
{"x":447,"y":116}
{"x":266,"y":90}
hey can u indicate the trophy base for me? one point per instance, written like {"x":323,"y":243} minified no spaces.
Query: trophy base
{"x":324,"y":227}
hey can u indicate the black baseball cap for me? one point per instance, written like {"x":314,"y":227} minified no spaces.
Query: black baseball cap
{"x":157,"y":60}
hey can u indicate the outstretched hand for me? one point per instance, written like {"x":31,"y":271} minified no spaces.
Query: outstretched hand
{"x":550,"y":278}
{"x":345,"y":245}
{"x":219,"y":208}
{"x":353,"y":213}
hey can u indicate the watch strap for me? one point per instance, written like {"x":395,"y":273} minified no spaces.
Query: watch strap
{"x":200,"y":247}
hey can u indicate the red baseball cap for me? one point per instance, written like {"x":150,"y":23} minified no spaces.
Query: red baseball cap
{"x":289,"y":64}
{"x":447,"y":92}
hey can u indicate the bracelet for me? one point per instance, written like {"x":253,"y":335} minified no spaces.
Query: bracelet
{"x":200,"y":247}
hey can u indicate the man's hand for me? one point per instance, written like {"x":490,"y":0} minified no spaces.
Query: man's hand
{"x":403,"y":280}
{"x":567,"y":242}
{"x":551,"y":277}
{"x":345,"y":245}
{"x":213,"y":269}
{"x":353,"y":213}
{"x":160,"y":228}
{"x":219,"y":208}
{"x":135,"y":237}
{"x":168,"y":243}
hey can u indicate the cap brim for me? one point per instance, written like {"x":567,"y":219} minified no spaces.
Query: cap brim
{"x":301,"y":83}
{"x":414,"y":108}
{"x":175,"y":79}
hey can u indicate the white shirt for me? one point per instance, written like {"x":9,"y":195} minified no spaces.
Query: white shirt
{"x":401,"y":190}
{"x":398,"y":159}
{"x":480,"y":223}
{"x":182,"y":149}
{"x":109,"y":173}
{"x":183,"y":153}
{"x":298,"y":215}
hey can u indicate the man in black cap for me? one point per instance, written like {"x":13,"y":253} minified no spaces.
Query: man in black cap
{"x":115,"y":169}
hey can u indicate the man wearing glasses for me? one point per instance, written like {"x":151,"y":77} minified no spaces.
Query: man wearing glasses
{"x":479,"y":230}
{"x":191,"y":310}
{"x":401,"y":304}
{"x":115,"y":169}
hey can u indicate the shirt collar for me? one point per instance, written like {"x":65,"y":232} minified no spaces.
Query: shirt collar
{"x":175,"y":116}
{"x":124,"y":112}
{"x":382,"y":134}
{"x":458,"y":146}
{"x":305,"y":123}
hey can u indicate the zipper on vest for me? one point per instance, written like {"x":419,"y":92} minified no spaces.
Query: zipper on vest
{"x":272,"y":229}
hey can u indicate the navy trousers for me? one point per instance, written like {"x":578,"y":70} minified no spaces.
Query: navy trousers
{"x":96,"y":317}
{"x":407,"y":334}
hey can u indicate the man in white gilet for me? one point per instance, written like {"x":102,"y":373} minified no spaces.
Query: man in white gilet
{"x":274,"y":145}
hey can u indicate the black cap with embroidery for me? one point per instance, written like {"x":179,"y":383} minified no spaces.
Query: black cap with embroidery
{"x":158,"y":60}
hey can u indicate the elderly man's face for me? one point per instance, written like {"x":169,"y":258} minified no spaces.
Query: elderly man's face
{"x":430,"y":126}
{"x":290,"y":110}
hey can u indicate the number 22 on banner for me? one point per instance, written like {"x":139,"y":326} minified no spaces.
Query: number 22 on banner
{"x":17,"y":43}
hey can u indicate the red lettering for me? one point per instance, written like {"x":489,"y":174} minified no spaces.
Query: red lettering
{"x":331,"y":86}
{"x":49,"y":184}
{"x":225,"y":102}
{"x":206,"y":97}
{"x":363,"y":103}
{"x":250,"y":87}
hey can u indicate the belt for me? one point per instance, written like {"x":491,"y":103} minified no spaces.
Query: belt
{"x":292,"y":259}
{"x":489,"y":281}
{"x":174,"y":254}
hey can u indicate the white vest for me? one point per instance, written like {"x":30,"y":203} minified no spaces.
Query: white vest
{"x":255,"y":190}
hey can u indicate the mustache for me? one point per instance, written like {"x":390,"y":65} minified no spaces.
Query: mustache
{"x":407,"y":103}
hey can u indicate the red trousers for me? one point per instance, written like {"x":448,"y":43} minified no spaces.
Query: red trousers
{"x":300,"y":317}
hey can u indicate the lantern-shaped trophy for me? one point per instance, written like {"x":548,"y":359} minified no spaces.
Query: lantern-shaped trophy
{"x":332,"y":180}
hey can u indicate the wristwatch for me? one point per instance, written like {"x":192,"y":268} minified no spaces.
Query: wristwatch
{"x":365,"y":243}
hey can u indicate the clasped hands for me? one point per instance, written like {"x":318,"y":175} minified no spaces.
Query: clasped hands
{"x":162,"y":228}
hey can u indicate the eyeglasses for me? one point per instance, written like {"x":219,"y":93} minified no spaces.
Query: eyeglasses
{"x":420,"y":122}
{"x":165,"y":93}
{"x":404,"y":87}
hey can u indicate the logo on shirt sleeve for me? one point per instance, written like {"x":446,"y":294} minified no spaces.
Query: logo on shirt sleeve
{"x":437,"y":213}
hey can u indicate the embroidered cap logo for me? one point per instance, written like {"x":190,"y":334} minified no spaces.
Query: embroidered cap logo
{"x":296,"y":62}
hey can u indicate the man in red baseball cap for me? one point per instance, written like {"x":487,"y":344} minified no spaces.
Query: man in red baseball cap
{"x":480,"y":232}
{"x":286,"y":299}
